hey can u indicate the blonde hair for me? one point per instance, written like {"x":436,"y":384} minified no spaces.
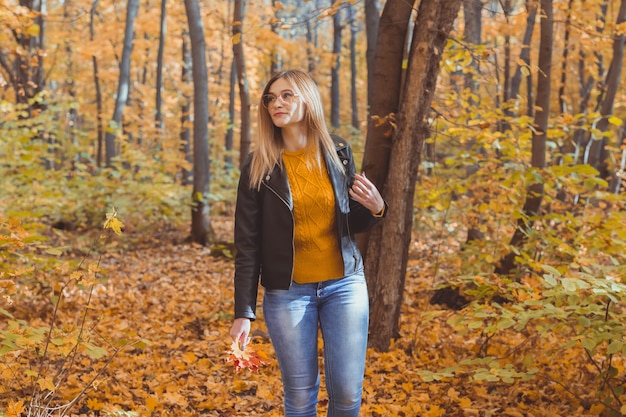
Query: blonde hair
{"x":267,"y":153}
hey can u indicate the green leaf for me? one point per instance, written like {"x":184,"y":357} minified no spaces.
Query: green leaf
{"x":54,"y":251}
{"x":505,"y":323}
{"x":550,"y":280}
{"x":589,"y":344}
{"x":614,"y":347}
{"x":95,"y":352}
{"x":6,"y":313}
{"x":568,"y":285}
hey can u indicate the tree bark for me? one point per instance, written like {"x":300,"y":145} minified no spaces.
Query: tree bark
{"x":230,"y":132}
{"x":335,"y":102}
{"x":158,"y":118}
{"x":597,"y":150}
{"x":185,"y":116}
{"x":311,"y":44}
{"x":506,"y":76}
{"x":96,"y":81}
{"x":200,"y":221}
{"x":354,"y":33}
{"x":242,"y":80}
{"x":384,"y":99}
{"x":276,"y":59}
{"x":534,"y":192}
{"x":123,"y":85}
{"x":389,"y":243}
{"x":516,"y":81}
{"x":372,"y":19}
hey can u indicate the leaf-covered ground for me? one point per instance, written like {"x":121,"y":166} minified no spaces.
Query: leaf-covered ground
{"x":170,"y":303}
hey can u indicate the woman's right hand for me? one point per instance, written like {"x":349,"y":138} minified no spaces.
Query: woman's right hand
{"x":240,"y":332}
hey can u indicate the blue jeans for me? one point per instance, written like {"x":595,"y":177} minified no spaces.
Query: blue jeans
{"x":341,"y":308}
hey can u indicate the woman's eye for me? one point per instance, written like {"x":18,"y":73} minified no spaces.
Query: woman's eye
{"x":287,"y":95}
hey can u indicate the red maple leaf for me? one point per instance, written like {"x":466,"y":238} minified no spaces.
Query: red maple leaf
{"x":245,"y":358}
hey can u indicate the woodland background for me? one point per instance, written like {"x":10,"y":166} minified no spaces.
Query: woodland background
{"x":494,"y":129}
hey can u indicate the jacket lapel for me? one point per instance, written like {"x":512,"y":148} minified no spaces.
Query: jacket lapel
{"x":278,"y":183}
{"x":338,"y":179}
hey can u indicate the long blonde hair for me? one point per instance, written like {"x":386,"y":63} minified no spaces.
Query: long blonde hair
{"x":267,"y":153}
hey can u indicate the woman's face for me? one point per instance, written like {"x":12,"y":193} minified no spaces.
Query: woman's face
{"x":285,"y":107}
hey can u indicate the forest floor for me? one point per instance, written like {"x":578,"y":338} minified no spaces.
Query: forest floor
{"x":177,"y":298}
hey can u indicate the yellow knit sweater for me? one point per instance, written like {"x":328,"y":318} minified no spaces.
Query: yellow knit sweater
{"x":317,"y":254}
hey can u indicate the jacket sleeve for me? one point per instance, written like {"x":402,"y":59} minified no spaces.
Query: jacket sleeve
{"x":247,"y":245}
{"x":360,"y":219}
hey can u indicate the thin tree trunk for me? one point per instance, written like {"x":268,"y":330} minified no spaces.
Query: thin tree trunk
{"x":230,"y":132}
{"x":616,"y":179}
{"x":534,"y":193}
{"x":276,"y":59}
{"x":201,"y":231}
{"x":372,"y":20}
{"x":242,"y":80}
{"x":96,"y":81}
{"x":516,"y":81}
{"x":335,"y":102}
{"x":472,"y":13}
{"x":185,"y":116}
{"x":563,"y":108}
{"x":158,"y":117}
{"x":123,"y":85}
{"x":72,"y":114}
{"x":598,"y":152}
{"x":506,"y":76}
{"x":354,"y":33}
{"x":434,"y":22}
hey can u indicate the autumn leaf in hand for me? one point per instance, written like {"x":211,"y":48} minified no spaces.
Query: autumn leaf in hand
{"x":245,"y":358}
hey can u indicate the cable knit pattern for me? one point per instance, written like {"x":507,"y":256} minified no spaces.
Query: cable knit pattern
{"x":317,"y":253}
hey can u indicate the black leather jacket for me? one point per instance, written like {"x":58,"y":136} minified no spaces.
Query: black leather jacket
{"x":264,"y":229}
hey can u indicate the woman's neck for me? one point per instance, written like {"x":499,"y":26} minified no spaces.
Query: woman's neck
{"x":294,"y":138}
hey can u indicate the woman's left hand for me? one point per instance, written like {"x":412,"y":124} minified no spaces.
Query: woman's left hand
{"x":366,"y":193}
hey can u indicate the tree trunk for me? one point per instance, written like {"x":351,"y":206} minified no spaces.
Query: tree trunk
{"x":372,"y":19}
{"x":185,"y":116}
{"x":586,"y":84}
{"x":200,"y":221}
{"x":563,"y":105}
{"x":158,"y":118}
{"x":230,"y":132}
{"x":335,"y":103}
{"x":96,"y":81}
{"x":311,"y":44}
{"x":434,"y":22}
{"x":472,"y":13}
{"x":534,"y":194}
{"x":620,"y":170}
{"x":506,"y":76}
{"x":276,"y":59}
{"x":123,"y":84}
{"x":242,"y":80}
{"x":384,"y":98}
{"x":354,"y":33}
{"x":531,"y":10}
{"x":597,"y":150}
{"x":70,"y":85}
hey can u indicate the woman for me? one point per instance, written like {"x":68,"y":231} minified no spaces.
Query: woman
{"x":299,"y":204}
